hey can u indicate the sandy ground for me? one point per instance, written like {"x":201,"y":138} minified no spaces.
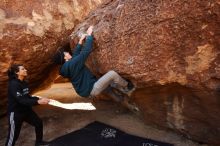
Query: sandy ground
{"x":59,"y":121}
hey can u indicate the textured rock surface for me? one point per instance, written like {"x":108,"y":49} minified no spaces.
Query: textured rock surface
{"x":30,"y":32}
{"x":162,"y":42}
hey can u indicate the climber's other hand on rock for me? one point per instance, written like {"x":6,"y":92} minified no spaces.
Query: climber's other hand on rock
{"x":83,"y":36}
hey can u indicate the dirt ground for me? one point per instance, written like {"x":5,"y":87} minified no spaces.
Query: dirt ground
{"x":59,"y":121}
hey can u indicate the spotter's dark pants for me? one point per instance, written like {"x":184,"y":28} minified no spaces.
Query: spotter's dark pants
{"x":15,"y":120}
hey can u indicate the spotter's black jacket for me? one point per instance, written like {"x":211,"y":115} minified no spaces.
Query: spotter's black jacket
{"x":19,"y":99}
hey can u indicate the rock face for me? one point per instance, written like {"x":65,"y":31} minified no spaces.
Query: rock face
{"x":30,"y":32}
{"x":156,"y":43}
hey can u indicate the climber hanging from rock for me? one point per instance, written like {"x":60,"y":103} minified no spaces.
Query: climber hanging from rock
{"x":84,"y":82}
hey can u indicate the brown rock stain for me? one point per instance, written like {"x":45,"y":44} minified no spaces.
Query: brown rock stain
{"x":175,"y":115}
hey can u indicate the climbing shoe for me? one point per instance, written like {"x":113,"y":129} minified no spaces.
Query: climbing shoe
{"x":129,"y":89}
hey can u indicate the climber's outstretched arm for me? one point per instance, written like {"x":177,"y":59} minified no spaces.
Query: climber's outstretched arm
{"x":85,"y":51}
{"x":78,"y":47}
{"x":77,"y":50}
{"x":80,"y":59}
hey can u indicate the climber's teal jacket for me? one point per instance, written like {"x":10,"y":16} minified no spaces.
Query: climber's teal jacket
{"x":75,"y":69}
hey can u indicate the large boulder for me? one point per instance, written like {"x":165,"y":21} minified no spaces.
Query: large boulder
{"x":31,"y":31}
{"x":158,"y":43}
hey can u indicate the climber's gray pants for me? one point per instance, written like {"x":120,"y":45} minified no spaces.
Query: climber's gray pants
{"x":110,"y":78}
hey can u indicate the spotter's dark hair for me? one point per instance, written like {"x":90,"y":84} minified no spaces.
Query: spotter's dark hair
{"x":13,"y":69}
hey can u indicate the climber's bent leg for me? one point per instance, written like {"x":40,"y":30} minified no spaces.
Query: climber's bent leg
{"x":106,"y":80}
